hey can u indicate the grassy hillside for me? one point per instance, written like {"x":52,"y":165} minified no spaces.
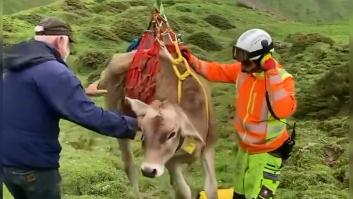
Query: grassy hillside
{"x":322,"y":11}
{"x":315,"y":54}
{"x":11,"y":6}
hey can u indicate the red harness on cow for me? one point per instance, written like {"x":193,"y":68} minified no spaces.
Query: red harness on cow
{"x":140,"y":82}
{"x":141,"y":78}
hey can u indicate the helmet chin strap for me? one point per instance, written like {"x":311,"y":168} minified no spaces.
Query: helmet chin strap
{"x":265,"y":50}
{"x":256,"y":69}
{"x":258,"y":63}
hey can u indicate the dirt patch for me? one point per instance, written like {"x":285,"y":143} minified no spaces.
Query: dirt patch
{"x":83,"y":143}
{"x":332,"y":154}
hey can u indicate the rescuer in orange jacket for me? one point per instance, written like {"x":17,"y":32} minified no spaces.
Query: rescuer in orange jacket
{"x":260,"y":123}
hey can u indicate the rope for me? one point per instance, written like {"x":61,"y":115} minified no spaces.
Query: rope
{"x":186,"y":74}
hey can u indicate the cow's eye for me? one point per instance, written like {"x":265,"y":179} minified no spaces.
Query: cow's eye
{"x":171,"y":135}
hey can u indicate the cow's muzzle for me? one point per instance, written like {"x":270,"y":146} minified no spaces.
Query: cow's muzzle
{"x":152,"y":170}
{"x":151,"y":173}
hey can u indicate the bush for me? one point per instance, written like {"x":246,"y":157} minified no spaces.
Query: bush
{"x":74,"y":5}
{"x":92,"y":59}
{"x":99,"y":33}
{"x":188,"y":19}
{"x":140,"y":16}
{"x":119,"y":5}
{"x":93,"y":76}
{"x":198,"y":52}
{"x":127,"y":30}
{"x":183,"y":9}
{"x":204,"y":41}
{"x":334,"y":127}
{"x":219,"y":22}
{"x":102,"y":178}
{"x":7,"y":24}
{"x":168,"y":3}
{"x":301,"y":41}
{"x":114,"y":7}
{"x":33,"y":19}
{"x":71,"y":17}
{"x":327,"y":96}
{"x":137,"y":3}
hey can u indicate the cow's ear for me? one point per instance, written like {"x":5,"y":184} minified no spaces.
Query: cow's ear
{"x":186,"y":126}
{"x":139,"y":107}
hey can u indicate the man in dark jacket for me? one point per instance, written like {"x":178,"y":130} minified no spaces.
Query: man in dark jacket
{"x":39,"y":90}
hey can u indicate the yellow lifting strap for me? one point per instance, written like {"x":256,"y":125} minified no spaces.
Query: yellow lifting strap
{"x":190,"y":147}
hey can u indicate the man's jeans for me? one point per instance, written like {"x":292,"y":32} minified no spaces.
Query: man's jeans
{"x":32,"y":184}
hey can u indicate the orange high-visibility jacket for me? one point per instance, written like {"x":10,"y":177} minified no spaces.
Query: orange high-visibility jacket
{"x":257,"y":129}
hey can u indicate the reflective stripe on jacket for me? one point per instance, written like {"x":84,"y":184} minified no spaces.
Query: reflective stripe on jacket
{"x":257,"y":129}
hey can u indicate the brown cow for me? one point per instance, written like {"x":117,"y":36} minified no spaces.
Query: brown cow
{"x":166,"y":124}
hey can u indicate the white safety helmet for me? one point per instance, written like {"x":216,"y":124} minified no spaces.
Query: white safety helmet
{"x":252,"y":44}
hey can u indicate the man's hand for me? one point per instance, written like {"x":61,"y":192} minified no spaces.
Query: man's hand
{"x":267,"y":62}
{"x":92,"y":90}
{"x":132,"y":124}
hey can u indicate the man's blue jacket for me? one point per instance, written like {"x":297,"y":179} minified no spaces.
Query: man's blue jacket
{"x":38,"y":91}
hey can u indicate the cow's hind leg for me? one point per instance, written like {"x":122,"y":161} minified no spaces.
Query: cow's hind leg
{"x":130,"y":168}
{"x":210,"y":176}
{"x":181,"y":188}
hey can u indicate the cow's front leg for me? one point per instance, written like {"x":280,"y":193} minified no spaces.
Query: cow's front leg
{"x":210,"y":175}
{"x":181,"y":188}
{"x":129,"y":165}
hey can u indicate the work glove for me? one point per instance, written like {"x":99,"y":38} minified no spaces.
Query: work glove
{"x":185,"y":51}
{"x":187,"y":54}
{"x":267,"y":62}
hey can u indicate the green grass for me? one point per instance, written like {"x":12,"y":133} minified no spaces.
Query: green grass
{"x":322,"y":11}
{"x":11,"y":6}
{"x":90,"y":163}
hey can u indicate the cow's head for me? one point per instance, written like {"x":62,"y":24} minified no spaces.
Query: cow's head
{"x":164,"y":127}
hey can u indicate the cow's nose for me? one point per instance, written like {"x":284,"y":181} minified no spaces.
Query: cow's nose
{"x":149,"y":172}
{"x":152,"y":170}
